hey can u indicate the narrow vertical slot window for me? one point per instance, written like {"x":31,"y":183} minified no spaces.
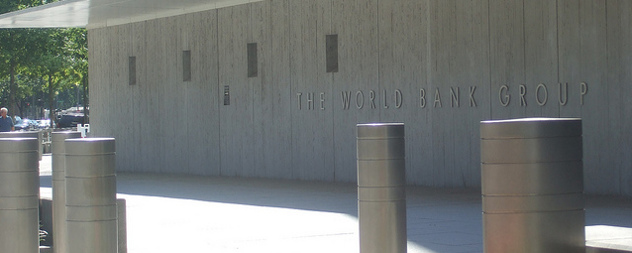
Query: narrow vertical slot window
{"x":252,"y":60}
{"x":226,"y":95}
{"x":132,"y":70}
{"x":186,"y":65}
{"x":331,"y":44}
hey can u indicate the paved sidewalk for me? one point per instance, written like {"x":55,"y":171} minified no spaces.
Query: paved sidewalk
{"x":175,"y":213}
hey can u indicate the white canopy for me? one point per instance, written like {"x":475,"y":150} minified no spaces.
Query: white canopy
{"x":101,"y":13}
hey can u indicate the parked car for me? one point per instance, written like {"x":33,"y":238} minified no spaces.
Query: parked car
{"x":70,"y":120}
{"x":43,"y":123}
{"x":25,"y":124}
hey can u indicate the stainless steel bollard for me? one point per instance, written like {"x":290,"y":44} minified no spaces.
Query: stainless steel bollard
{"x":381,"y":187}
{"x":59,"y":188}
{"x":532,"y":185}
{"x":27,"y":134}
{"x":121,"y":205}
{"x":91,"y":195}
{"x":19,"y":195}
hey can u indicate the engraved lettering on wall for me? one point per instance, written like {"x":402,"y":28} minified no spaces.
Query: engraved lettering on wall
{"x":523,"y":92}
{"x":583,"y":90}
{"x":398,"y":98}
{"x":472,"y":100}
{"x":395,"y":99}
{"x":322,"y":101}
{"x":454,"y":96}
{"x":545,"y":92}
{"x":437,"y":98}
{"x":563,"y":98}
{"x":372,"y":98}
{"x":541,"y":94}
{"x":346,"y":99}
{"x":384,"y":100}
{"x":503,"y":96}
{"x":310,"y":101}
{"x":359,"y":99}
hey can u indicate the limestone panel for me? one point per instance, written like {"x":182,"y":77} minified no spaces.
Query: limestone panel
{"x":187,"y":138}
{"x":236,"y":119}
{"x":507,"y":54}
{"x":619,"y":106}
{"x":144,"y":129}
{"x":97,"y":42}
{"x":152,"y":97}
{"x":313,"y":100}
{"x":259,"y":37}
{"x":541,"y":60}
{"x":273,"y":93}
{"x":443,"y":58}
{"x":583,"y":66}
{"x":123,"y":96}
{"x":202,"y":95}
{"x":357,"y":79}
{"x":111,"y":108}
{"x":204,"y":136}
{"x":403,"y":57}
{"x":471,"y":80}
{"x":174,"y":144}
{"x":457,"y":90}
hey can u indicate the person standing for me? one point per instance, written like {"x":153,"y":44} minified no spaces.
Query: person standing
{"x":6,"y":123}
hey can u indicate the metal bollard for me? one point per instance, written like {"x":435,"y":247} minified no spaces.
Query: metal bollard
{"x":19,"y":195}
{"x":121,"y":206}
{"x":532,"y":185}
{"x":91,"y":195}
{"x":29,"y":134}
{"x":59,"y":188}
{"x":381,"y":187}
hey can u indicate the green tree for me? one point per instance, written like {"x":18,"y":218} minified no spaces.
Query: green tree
{"x":40,"y":61}
{"x":77,"y":47}
{"x":16,"y":49}
{"x":62,"y":63}
{"x":52,"y":66}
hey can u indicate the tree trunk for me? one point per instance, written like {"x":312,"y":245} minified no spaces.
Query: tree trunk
{"x":51,"y":98}
{"x":19,"y":110}
{"x":12,"y":87}
{"x":85,"y":100}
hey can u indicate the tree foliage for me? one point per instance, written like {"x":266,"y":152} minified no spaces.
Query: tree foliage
{"x":40,"y":64}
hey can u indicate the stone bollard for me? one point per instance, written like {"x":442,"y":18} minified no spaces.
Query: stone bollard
{"x":59,"y":188}
{"x":28,"y":134}
{"x":381,"y":187}
{"x":91,"y":195}
{"x":532,"y":185}
{"x":19,"y":195}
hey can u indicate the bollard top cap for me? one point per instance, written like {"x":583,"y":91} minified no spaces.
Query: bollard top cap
{"x":534,"y":119}
{"x":379,"y":124}
{"x":90,"y":146}
{"x":91,"y":139}
{"x":25,"y":134}
{"x":62,"y":136}
{"x":18,"y":145}
{"x":380,"y":130}
{"x":530,"y":128}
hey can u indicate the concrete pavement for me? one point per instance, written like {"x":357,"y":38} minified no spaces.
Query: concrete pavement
{"x":179,"y":213}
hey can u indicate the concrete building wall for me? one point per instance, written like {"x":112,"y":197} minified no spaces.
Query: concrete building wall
{"x":439,"y":66}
